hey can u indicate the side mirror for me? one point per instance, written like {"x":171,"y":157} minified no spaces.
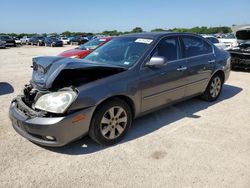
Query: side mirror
{"x":156,"y":62}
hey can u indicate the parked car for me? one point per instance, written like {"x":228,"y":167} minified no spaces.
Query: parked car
{"x":85,"y":49}
{"x":78,"y":39}
{"x":25,"y":40}
{"x":127,"y":77}
{"x":37,"y":40}
{"x":230,"y":41}
{"x":216,"y":42}
{"x":65,"y":40}
{"x":9,"y":41}
{"x":2,"y":44}
{"x":17,"y":41}
{"x":240,"y":55}
{"x":53,"y":42}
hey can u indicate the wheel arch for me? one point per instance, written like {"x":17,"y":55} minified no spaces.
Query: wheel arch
{"x":219,"y":72}
{"x":125,"y":98}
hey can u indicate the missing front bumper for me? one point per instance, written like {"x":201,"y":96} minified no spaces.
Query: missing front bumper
{"x":35,"y":128}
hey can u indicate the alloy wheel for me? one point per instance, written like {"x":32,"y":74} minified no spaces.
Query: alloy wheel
{"x":113,"y":122}
{"x":215,"y":87}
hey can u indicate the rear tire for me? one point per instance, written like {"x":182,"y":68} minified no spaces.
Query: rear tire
{"x":110,"y":122}
{"x":213,"y":89}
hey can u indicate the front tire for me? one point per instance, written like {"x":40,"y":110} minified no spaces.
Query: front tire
{"x":213,"y":89}
{"x":110,"y":122}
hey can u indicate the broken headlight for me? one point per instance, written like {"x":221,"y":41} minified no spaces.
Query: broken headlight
{"x":56,"y":102}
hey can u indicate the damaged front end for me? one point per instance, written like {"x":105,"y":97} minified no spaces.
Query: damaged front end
{"x":57,"y":77}
{"x":42,"y":113}
{"x":240,"y":58}
{"x":240,"y":55}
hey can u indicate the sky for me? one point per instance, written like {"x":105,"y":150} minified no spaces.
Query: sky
{"x":40,"y":16}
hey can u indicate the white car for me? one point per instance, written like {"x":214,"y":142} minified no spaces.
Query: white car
{"x":242,"y":33}
{"x":25,"y":40}
{"x":216,"y":42}
{"x":65,"y":40}
{"x":230,"y":41}
{"x":17,"y":40}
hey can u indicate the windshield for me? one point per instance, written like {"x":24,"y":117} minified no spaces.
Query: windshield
{"x":122,"y":52}
{"x":230,"y":36}
{"x":91,"y":45}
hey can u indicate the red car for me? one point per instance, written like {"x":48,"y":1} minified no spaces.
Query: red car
{"x":85,"y":49}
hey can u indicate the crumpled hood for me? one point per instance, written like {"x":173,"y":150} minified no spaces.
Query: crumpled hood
{"x":47,"y":68}
{"x":242,"y":33}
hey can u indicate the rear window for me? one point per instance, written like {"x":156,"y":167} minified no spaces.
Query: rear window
{"x":213,"y":40}
{"x":195,"y":46}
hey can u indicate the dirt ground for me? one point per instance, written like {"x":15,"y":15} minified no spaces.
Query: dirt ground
{"x":191,"y":144}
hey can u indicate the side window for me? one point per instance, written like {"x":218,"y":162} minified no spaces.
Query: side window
{"x":167,"y":48}
{"x":213,"y":40}
{"x":195,"y":46}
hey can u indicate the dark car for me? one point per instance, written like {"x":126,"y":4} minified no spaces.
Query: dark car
{"x":125,"y":78}
{"x":37,"y":40}
{"x":241,"y":54}
{"x":2,"y":44}
{"x":78,"y":39}
{"x":53,"y":42}
{"x":9,"y":41}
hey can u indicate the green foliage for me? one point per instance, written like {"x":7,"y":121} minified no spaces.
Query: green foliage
{"x":137,"y":30}
{"x":111,"y":33}
{"x":203,"y":30}
{"x":198,"y":30}
{"x":158,"y":30}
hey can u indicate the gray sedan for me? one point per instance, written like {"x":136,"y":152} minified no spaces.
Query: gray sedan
{"x":127,"y":77}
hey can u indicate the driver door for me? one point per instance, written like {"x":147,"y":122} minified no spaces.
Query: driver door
{"x":165,"y":84}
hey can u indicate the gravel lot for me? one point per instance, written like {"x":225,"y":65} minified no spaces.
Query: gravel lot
{"x":191,"y":144}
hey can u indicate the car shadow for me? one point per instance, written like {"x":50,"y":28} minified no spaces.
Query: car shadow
{"x":151,"y":122}
{"x":5,"y":88}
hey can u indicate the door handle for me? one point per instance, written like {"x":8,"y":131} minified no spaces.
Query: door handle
{"x":181,"y":68}
{"x":211,"y":61}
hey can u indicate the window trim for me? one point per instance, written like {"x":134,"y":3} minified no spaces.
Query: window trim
{"x":179,"y":53}
{"x":149,"y":56}
{"x":183,"y":46}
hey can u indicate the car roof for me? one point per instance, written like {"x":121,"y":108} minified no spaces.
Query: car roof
{"x":153,"y":35}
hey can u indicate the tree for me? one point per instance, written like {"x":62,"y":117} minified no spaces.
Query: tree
{"x":137,"y":30}
{"x":111,"y":33}
{"x":66,"y":33}
{"x":158,"y":30}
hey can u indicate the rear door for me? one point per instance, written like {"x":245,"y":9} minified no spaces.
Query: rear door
{"x":163,"y":85}
{"x":200,"y":61}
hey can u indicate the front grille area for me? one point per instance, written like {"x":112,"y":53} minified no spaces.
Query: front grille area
{"x":27,"y":111}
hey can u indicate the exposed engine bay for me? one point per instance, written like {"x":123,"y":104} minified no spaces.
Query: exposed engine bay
{"x":240,"y":55}
{"x":55,"y":74}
